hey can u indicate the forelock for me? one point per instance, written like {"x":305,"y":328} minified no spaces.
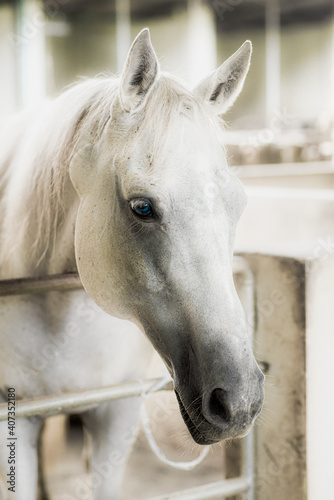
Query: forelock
{"x":168,"y":101}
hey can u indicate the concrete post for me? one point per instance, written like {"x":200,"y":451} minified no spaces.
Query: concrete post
{"x":30,"y":40}
{"x":294,"y":341}
{"x":202,"y":45}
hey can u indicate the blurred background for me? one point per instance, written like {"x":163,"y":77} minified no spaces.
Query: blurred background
{"x":280,"y":136}
{"x":288,"y":99}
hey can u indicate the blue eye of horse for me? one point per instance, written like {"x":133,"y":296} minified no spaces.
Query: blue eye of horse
{"x":142,"y":208}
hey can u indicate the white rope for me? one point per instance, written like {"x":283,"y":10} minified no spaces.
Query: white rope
{"x":151,"y":441}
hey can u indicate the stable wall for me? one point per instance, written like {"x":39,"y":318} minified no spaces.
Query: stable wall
{"x":278,"y":215}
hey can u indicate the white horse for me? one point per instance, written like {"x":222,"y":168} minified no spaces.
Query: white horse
{"x":135,"y":167}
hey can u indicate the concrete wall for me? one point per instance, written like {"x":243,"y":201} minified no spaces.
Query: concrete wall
{"x":280,"y":215}
{"x":294,"y":342}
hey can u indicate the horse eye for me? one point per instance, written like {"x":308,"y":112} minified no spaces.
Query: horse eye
{"x":142,"y":208}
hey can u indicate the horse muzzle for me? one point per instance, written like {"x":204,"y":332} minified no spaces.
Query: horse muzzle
{"x":220,"y":414}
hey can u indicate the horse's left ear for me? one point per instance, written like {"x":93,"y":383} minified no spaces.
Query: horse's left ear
{"x":139,"y":74}
{"x":221,"y":88}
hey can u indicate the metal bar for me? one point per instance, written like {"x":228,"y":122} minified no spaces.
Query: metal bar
{"x":242,"y":268}
{"x":56,"y":282}
{"x":68,"y":281}
{"x":247,"y":465}
{"x":226,"y":487}
{"x":266,"y":170}
{"x":61,"y":403}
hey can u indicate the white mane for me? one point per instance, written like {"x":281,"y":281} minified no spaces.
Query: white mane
{"x":34,"y":169}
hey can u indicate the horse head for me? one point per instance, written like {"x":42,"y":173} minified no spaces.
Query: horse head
{"x":155,"y":232}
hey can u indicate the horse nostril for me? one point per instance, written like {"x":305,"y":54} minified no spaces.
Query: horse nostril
{"x":218,"y":405}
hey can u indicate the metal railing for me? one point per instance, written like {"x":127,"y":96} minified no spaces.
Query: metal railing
{"x":71,"y":401}
{"x":67,"y":402}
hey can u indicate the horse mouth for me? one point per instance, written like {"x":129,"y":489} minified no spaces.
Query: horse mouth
{"x":198,"y":437}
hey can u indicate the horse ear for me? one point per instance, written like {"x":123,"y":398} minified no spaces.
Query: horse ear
{"x":139,"y":73}
{"x":221,"y":88}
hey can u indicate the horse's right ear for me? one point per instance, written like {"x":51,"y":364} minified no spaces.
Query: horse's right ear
{"x":139,"y":73}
